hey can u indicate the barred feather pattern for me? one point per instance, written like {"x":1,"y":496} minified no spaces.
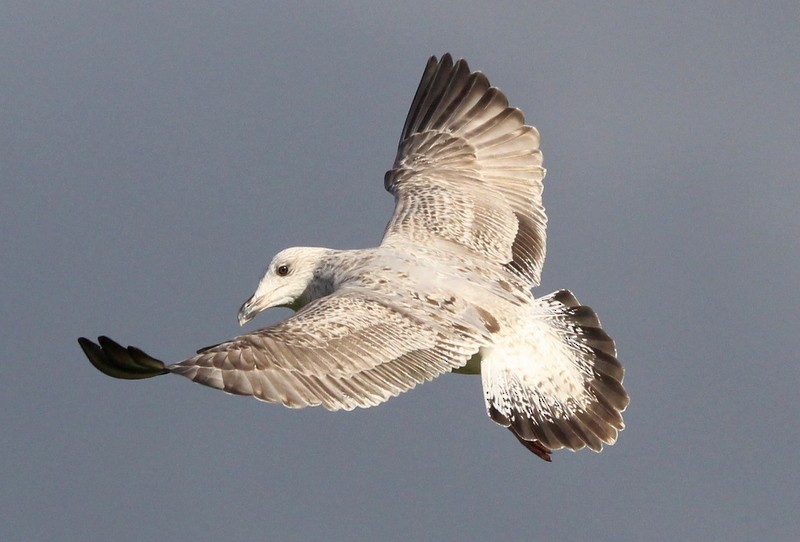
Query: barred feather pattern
{"x":469,"y":170}
{"x":556,"y":380}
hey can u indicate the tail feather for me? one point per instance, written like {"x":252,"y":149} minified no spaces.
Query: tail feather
{"x":535,"y":447}
{"x":557,"y":382}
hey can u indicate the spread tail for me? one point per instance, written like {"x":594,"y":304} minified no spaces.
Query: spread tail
{"x":556,"y":383}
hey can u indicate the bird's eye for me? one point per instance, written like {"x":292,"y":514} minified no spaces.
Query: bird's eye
{"x":283,"y":270}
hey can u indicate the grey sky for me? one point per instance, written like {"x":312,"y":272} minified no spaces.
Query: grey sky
{"x":153,"y":158}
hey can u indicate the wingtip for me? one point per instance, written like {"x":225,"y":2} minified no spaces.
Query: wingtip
{"x":114,"y":360}
{"x":84,"y":343}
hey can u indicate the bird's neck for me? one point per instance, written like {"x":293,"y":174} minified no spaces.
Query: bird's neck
{"x":328,"y":274}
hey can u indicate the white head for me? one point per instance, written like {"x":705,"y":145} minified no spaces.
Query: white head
{"x":293,"y":278}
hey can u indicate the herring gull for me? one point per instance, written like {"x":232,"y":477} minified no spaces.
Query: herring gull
{"x":447,"y":290}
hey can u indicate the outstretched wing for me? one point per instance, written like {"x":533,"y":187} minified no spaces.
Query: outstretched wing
{"x":350,"y":349}
{"x":468,"y":171}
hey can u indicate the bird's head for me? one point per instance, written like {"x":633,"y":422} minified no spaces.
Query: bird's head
{"x":291,"y":280}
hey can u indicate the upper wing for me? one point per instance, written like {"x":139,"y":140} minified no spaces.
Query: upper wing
{"x":468,"y":170}
{"x":352,"y":348}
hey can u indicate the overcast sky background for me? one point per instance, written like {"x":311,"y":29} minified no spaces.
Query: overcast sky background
{"x":153,"y":157}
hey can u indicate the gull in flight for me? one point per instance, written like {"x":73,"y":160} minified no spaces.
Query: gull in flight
{"x":447,"y":290}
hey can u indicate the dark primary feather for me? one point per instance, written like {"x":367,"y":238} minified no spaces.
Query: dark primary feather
{"x":115,"y":360}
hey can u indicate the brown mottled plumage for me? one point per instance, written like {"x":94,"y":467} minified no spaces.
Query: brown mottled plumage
{"x":448,"y":290}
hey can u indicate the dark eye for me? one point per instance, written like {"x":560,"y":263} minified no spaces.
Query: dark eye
{"x":283,"y":270}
